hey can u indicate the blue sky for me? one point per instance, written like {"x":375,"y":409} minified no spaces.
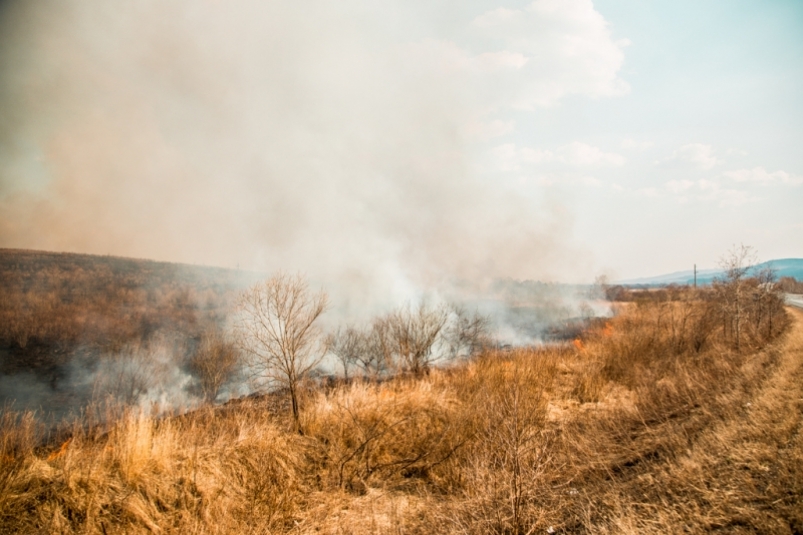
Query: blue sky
{"x":708,"y":132}
{"x":398,"y":145}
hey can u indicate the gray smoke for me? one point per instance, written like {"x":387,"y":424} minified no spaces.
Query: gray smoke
{"x":345,"y":140}
{"x":332,"y":138}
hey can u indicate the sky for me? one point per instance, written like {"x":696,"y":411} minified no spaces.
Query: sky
{"x":390,"y":147}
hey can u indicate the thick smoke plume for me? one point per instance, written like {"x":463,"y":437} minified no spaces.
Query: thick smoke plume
{"x":334,"y":138}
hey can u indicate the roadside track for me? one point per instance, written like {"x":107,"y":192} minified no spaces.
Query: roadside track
{"x":745,"y":475}
{"x":795,"y":300}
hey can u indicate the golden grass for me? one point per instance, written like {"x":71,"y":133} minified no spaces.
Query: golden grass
{"x":640,"y":427}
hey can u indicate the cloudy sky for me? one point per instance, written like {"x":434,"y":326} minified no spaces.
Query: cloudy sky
{"x":393,"y":145}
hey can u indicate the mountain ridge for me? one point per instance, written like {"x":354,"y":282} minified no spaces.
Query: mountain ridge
{"x":784,"y":267}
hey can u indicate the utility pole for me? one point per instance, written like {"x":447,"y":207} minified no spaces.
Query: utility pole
{"x":695,"y":276}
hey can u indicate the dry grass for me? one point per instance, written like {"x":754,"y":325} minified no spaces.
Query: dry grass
{"x":649,"y":423}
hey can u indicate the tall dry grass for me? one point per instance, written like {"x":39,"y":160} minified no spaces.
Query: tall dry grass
{"x":614,"y":433}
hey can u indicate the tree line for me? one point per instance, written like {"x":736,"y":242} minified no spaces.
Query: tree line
{"x":277,"y":341}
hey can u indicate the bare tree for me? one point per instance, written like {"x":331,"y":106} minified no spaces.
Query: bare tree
{"x":348,"y":346}
{"x":377,"y":354}
{"x":278,"y":333}
{"x":413,"y":333}
{"x":410,"y":339}
{"x":214,"y":364}
{"x":466,"y":334}
{"x":768,"y":300}
{"x":736,"y":264}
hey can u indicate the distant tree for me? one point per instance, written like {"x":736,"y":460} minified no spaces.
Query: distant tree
{"x":214,"y":363}
{"x":466,"y":333}
{"x":768,"y":300}
{"x":348,"y":345}
{"x":732,"y":288}
{"x":790,"y":285}
{"x":413,"y":333}
{"x":279,"y":335}
{"x":377,"y":354}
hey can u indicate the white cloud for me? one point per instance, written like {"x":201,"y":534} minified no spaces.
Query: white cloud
{"x":696,"y":154}
{"x":533,"y":56}
{"x":679,"y":186}
{"x":762,"y":176}
{"x":707,"y":190}
{"x":577,"y":153}
{"x":510,"y":157}
{"x":492,"y":61}
{"x":485,"y":131}
{"x":632,"y":144}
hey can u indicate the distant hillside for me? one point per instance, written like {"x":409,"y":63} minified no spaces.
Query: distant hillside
{"x":65,"y":320}
{"x":784,"y":267}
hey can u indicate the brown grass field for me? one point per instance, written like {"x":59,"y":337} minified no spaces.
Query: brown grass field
{"x":650,"y":422}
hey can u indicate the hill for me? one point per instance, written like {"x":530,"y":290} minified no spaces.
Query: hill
{"x":784,"y":267}
{"x":65,"y":319}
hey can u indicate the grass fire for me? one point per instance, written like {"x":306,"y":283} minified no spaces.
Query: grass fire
{"x":673,"y":413}
{"x":401,"y":267}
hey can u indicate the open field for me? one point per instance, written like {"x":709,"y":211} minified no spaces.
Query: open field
{"x":651,"y":422}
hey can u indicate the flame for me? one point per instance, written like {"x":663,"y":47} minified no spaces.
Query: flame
{"x":578,"y":344}
{"x":60,"y":451}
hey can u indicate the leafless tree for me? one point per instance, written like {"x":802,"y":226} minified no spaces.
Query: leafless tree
{"x":466,"y":333}
{"x":376,"y":356}
{"x":278,"y":333}
{"x":732,"y":287}
{"x":214,"y":364}
{"x":410,"y":339}
{"x":348,"y":346}
{"x":413,"y":333}
{"x":768,"y":299}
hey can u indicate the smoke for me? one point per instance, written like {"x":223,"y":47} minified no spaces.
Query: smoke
{"x":339,"y":139}
{"x":152,"y":376}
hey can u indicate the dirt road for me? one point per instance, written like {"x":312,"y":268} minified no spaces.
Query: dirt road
{"x":745,"y":474}
{"x":795,"y":300}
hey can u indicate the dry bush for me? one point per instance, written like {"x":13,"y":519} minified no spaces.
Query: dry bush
{"x":411,"y":340}
{"x":790,"y":285}
{"x":413,"y":333}
{"x":214,"y":363}
{"x":384,"y":435}
{"x":348,"y":346}
{"x":506,"y":465}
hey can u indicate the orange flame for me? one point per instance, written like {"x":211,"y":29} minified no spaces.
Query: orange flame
{"x":578,"y":344}
{"x":60,"y":452}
